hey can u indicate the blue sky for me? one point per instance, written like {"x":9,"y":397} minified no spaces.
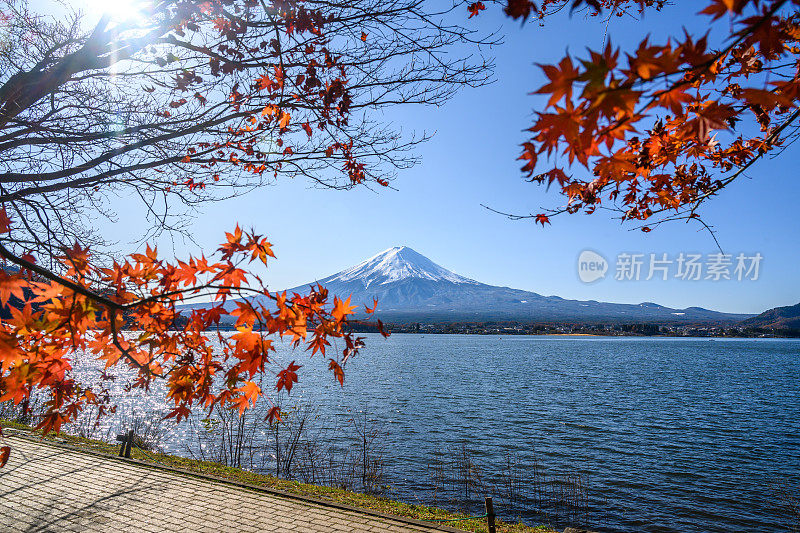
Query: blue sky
{"x":472,"y":160}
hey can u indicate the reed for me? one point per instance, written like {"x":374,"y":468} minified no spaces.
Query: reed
{"x":460,"y":481}
{"x":349,"y":456}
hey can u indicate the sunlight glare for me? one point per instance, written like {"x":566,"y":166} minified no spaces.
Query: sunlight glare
{"x":117,"y":10}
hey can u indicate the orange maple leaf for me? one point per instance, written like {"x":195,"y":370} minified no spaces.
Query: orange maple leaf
{"x":718,"y":8}
{"x":561,"y":79}
{"x":246,"y":313}
{"x":318,"y":343}
{"x":263,"y":82}
{"x":342,"y":308}
{"x":245,"y":338}
{"x":370,"y":310}
{"x":11,"y":286}
{"x":76,"y":257}
{"x":674,"y":100}
{"x":338,"y":372}
{"x":285,"y":118}
{"x":249,"y":395}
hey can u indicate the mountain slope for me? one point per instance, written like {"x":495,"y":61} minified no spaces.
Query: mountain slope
{"x":396,"y":264}
{"x":778,"y":318}
{"x":412,"y":288}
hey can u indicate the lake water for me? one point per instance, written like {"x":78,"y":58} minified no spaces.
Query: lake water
{"x":665,"y":435}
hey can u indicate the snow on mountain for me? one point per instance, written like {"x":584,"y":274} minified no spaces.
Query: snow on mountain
{"x":410,"y":287}
{"x":396,"y":264}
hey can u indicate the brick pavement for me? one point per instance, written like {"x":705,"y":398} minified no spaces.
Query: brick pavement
{"x":56,"y":488}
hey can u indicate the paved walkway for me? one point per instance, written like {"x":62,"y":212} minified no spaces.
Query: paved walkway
{"x":54,"y":488}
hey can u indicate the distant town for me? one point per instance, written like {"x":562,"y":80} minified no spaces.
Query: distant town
{"x":615,"y":330}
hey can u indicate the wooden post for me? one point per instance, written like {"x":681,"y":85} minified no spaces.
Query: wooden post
{"x":128,"y":444}
{"x":123,"y":439}
{"x":490,"y":515}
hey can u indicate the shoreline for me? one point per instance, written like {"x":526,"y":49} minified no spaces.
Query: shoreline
{"x":458,"y":329}
{"x":603,"y":335}
{"x":367,"y":502}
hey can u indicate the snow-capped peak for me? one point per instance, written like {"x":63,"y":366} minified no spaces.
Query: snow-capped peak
{"x":394,"y":264}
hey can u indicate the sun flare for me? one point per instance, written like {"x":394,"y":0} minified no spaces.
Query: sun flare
{"x":117,"y":10}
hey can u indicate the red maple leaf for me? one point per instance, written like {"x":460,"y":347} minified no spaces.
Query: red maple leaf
{"x":288,"y":377}
{"x":520,"y":9}
{"x":475,"y":8}
{"x":5,"y":222}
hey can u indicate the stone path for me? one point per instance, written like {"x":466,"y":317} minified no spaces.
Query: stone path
{"x":46,"y":487}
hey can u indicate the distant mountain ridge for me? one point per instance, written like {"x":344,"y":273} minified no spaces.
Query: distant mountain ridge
{"x":412,"y":288}
{"x":787,"y":317}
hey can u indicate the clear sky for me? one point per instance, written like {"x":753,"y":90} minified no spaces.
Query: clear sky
{"x":472,"y":160}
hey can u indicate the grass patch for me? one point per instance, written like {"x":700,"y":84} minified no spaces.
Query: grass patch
{"x":346,"y":497}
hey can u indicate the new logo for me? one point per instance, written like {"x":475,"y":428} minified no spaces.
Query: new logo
{"x":591,"y":266}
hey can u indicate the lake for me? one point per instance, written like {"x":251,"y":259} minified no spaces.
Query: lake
{"x":616,"y":434}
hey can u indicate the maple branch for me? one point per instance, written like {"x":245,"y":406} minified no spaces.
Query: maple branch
{"x":512,"y":216}
{"x":770,"y":140}
{"x":125,"y":352}
{"x":113,"y":307}
{"x":98,"y":130}
{"x":700,"y":67}
{"x":24,"y":263}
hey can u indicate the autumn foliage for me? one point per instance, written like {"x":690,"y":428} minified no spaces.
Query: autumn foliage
{"x":658,"y":130}
{"x":223,"y":95}
{"x":195,"y":96}
{"x":135,"y":320}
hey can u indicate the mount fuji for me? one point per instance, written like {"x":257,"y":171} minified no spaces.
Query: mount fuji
{"x":412,"y":288}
